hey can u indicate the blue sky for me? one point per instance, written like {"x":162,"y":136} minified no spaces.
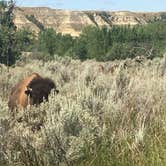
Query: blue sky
{"x":130,"y":5}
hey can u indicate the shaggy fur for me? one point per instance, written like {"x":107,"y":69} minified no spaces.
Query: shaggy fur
{"x":39,"y":89}
{"x":30,"y":90}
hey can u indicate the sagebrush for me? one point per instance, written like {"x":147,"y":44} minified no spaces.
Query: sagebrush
{"x":106,"y":114}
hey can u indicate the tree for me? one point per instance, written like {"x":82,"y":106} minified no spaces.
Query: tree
{"x":47,"y":41}
{"x":26,"y":39}
{"x":64,"y":44}
{"x":80,"y":49}
{"x":53,"y":43}
{"x":8,"y":42}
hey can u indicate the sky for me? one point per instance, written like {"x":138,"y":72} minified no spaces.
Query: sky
{"x":111,"y":5}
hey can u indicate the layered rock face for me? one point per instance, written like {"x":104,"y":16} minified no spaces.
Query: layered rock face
{"x":73,"y":22}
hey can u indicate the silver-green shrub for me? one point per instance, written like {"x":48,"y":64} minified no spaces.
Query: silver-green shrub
{"x":99,"y":117}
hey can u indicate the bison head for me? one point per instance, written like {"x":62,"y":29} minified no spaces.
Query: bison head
{"x":39,"y":89}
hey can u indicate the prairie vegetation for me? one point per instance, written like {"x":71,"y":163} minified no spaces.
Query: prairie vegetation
{"x":107,"y":113}
{"x":100,"y":117}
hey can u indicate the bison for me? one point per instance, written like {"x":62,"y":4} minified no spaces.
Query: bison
{"x":30,"y":91}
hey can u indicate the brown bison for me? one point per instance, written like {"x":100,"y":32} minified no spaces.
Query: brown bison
{"x":31,"y":90}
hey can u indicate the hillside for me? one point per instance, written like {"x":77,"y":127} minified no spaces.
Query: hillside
{"x":72,"y":22}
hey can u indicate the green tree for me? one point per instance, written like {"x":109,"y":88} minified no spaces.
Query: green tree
{"x":80,"y":50}
{"x":64,"y":44}
{"x":26,"y":40}
{"x":8,"y":42}
{"x":55,"y":43}
{"x":96,"y":42}
{"x":47,"y":41}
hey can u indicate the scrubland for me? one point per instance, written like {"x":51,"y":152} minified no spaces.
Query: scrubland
{"x":106,"y":114}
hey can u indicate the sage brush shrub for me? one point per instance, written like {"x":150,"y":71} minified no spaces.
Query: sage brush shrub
{"x":98,"y":118}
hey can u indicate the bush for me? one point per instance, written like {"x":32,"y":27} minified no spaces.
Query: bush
{"x":98,"y":118}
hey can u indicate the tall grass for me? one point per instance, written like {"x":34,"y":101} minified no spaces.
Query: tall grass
{"x":99,"y":117}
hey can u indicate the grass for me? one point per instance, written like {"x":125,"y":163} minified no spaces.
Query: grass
{"x":98,"y":118}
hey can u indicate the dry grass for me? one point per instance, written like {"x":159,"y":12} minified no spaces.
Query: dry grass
{"x":100,"y":117}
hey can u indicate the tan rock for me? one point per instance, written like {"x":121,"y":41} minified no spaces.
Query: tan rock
{"x":73,"y":22}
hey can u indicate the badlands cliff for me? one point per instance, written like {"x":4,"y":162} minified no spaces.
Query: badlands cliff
{"x":73,"y":22}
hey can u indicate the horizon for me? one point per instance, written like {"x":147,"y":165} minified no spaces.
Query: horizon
{"x":105,"y":5}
